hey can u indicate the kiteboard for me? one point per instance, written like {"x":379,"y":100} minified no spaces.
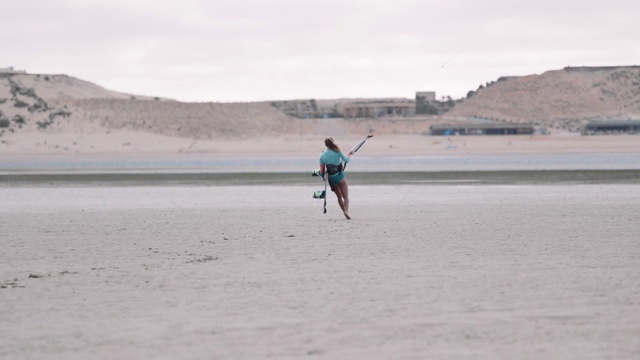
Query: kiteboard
{"x":321,"y":194}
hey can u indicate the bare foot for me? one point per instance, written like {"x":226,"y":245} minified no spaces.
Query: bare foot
{"x":347,"y":216}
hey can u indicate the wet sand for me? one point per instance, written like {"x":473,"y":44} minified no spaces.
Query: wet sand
{"x":451,"y":271}
{"x":527,"y":177}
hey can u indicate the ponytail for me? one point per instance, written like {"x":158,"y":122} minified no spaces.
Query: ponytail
{"x":328,"y":142}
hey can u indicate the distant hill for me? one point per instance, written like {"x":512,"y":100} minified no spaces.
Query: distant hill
{"x":565,"y":98}
{"x":60,"y":103}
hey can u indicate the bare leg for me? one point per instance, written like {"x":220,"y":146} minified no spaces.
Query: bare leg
{"x":336,"y":189}
{"x":343,"y":187}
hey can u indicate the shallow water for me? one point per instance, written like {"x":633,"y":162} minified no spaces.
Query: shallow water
{"x":190,"y":164}
{"x":525,"y":177}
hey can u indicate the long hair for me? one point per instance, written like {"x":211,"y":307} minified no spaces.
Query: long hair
{"x":328,"y":142}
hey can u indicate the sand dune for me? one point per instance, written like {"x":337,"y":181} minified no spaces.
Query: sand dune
{"x":58,"y":114}
{"x":561,"y":98}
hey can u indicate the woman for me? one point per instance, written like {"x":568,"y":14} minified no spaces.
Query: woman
{"x":331,"y":164}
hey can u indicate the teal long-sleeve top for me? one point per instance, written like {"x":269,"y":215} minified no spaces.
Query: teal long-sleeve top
{"x":331,"y":157}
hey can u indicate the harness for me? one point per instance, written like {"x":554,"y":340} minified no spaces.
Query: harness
{"x":333,"y":170}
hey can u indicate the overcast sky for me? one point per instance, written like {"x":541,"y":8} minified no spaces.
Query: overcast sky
{"x":255,"y":50}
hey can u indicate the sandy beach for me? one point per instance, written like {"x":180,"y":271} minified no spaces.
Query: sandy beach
{"x":254,"y":272}
{"x":132,"y":143}
{"x":125,"y":244}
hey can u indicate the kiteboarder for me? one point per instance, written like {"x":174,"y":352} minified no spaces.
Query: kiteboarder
{"x":331,"y":164}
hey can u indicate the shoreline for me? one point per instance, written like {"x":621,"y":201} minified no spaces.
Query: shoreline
{"x":149,"y":153}
{"x":288,"y":163}
{"x":427,"y":178}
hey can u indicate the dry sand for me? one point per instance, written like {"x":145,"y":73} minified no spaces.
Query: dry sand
{"x":192,"y":272}
{"x":133,"y":143}
{"x":474,"y":272}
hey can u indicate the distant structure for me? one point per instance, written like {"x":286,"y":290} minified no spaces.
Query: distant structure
{"x":426,"y":103}
{"x":372,"y":109}
{"x":306,"y":109}
{"x":425,"y":96}
{"x":612,"y":127}
{"x":11,"y":70}
{"x":597,"y":68}
{"x":482,"y":129}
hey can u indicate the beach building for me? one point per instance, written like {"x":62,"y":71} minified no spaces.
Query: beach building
{"x":378,"y":109}
{"x":426,"y":103}
{"x":612,"y":127}
{"x":482,"y":129}
{"x":428,"y":96}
